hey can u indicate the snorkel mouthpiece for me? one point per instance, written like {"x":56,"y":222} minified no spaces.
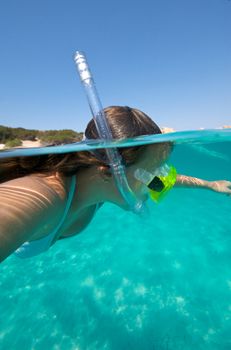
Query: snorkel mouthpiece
{"x":104,"y":131}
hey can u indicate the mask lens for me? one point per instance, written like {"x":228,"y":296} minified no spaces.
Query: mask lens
{"x":156,"y":184}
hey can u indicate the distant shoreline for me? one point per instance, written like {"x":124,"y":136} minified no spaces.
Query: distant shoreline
{"x":39,"y":143}
{"x":26,"y":144}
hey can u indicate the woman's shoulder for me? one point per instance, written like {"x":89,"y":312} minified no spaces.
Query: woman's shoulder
{"x":50,"y":186}
{"x":31,"y":207}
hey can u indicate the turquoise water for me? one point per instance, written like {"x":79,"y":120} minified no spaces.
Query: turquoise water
{"x":159,"y":283}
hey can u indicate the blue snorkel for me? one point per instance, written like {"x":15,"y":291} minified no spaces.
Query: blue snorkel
{"x":114,"y":158}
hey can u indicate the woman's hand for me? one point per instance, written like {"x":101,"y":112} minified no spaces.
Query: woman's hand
{"x":221,"y":186}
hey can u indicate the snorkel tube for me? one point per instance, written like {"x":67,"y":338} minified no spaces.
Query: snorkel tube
{"x":114,"y":158}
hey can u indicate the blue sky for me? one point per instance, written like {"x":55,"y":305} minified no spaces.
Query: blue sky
{"x":169,"y":58}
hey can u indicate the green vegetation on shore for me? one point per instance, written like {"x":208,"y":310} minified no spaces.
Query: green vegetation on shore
{"x":13,"y":137}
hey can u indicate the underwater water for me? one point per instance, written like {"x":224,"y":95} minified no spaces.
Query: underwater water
{"x":158,"y":283}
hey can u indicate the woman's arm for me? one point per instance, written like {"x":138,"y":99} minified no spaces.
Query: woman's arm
{"x":221,"y":186}
{"x":28,"y":207}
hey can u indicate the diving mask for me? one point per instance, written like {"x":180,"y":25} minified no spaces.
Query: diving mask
{"x":159,"y":182}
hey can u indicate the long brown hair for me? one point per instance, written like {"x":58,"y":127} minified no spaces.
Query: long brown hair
{"x":125,"y":122}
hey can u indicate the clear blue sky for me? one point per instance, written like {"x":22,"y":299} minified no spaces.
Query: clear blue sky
{"x":169,"y":58}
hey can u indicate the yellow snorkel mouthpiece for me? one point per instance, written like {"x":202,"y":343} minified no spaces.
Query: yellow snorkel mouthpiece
{"x":159,"y":182}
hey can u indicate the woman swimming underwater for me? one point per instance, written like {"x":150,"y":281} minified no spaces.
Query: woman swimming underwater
{"x":50,"y":197}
